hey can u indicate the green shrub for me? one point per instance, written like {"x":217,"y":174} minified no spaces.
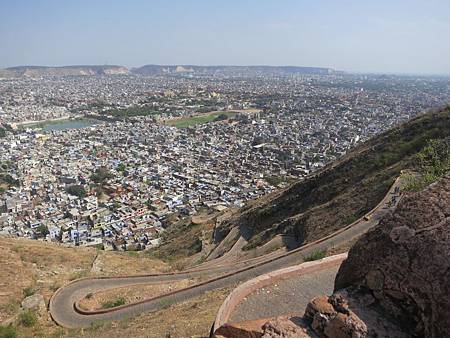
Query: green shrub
{"x":100,"y":246}
{"x":27,"y":318}
{"x":77,"y":275}
{"x":113,"y":303}
{"x":29,"y":291}
{"x":8,"y":332}
{"x":196,"y":246}
{"x":433,"y":162}
{"x":351,"y":219}
{"x":316,"y":255}
{"x":96,"y":325}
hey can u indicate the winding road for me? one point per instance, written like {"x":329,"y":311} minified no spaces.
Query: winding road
{"x":65,"y":311}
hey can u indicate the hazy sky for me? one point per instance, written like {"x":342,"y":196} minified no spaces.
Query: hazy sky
{"x":408,"y":36}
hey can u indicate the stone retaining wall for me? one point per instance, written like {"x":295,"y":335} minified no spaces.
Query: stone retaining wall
{"x":243,"y":290}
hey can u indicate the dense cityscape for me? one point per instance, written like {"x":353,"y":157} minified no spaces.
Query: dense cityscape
{"x":105,"y":160}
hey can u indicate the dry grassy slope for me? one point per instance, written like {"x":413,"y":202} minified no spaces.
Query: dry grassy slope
{"x":43,"y":267}
{"x":184,"y":239}
{"x":342,"y":191}
{"x":192,"y":318}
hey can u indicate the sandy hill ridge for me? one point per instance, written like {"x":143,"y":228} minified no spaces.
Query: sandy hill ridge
{"x":37,"y":71}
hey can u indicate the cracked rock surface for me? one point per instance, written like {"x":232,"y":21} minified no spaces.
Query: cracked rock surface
{"x":396,"y":279}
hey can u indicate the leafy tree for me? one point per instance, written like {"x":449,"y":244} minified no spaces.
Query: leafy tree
{"x":43,"y":230}
{"x":121,"y":167}
{"x":76,"y":190}
{"x":101,"y":175}
{"x":115,"y":206}
{"x":221,"y":117}
{"x":434,"y":159}
{"x":2,"y":133}
{"x":258,"y":140}
{"x":8,"y":179}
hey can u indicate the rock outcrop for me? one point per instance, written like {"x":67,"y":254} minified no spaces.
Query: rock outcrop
{"x":35,"y":303}
{"x":282,"y":327}
{"x":396,"y":280}
{"x":287,"y":328}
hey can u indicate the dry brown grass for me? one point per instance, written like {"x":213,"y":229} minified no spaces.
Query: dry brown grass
{"x":133,"y":293}
{"x":33,"y":266}
{"x":192,"y":318}
{"x":112,"y":263}
{"x":36,"y":266}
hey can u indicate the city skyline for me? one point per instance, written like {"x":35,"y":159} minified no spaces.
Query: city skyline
{"x":386,"y":37}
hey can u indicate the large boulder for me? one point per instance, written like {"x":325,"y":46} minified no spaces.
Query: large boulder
{"x":404,"y":263}
{"x":345,"y":315}
{"x":285,"y":327}
{"x":280,"y":327}
{"x":34,"y":303}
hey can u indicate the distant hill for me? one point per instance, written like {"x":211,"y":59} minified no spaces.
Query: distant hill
{"x":147,"y":70}
{"x":232,"y":70}
{"x":4,"y":73}
{"x":37,"y":71}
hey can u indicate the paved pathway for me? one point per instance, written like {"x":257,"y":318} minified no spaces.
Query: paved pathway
{"x":62,"y":303}
{"x":288,"y":296}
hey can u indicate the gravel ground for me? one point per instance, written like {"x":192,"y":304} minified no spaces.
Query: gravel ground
{"x":285,"y":296}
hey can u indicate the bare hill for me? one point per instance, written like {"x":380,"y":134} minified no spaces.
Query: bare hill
{"x":37,"y":71}
{"x":231,"y":70}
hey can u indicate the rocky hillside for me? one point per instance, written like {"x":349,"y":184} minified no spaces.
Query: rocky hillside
{"x":37,"y":71}
{"x":230,"y":70}
{"x":396,"y":281}
{"x":4,"y":73}
{"x":342,"y":191}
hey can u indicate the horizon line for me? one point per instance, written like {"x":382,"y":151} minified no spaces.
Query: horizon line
{"x":360,"y":72}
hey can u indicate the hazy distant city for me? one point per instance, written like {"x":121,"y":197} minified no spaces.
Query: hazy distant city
{"x":106,"y":160}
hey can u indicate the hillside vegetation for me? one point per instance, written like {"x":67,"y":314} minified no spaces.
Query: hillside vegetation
{"x":342,"y":191}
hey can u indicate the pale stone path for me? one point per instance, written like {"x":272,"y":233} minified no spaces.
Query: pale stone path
{"x":289,"y":296}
